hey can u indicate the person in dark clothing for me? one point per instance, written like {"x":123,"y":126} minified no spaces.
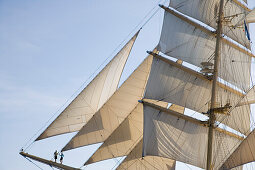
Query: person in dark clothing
{"x":61,"y":157}
{"x":56,"y":155}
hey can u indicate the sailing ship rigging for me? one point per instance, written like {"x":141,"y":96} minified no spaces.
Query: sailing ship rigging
{"x":201,"y":63}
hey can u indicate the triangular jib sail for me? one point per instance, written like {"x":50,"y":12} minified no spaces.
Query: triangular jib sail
{"x":202,"y":64}
{"x":127,"y":136}
{"x":88,"y":102}
{"x":115,"y":110}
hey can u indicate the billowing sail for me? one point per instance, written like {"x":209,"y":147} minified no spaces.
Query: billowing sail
{"x":203,"y":64}
{"x":173,"y":137}
{"x":183,"y":87}
{"x":99,"y":90}
{"x":245,"y":153}
{"x":134,"y":160}
{"x":115,"y":110}
{"x":194,"y":45}
{"x":122,"y":141}
{"x":207,"y":12}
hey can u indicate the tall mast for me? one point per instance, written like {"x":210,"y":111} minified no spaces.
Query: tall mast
{"x":214,"y":88}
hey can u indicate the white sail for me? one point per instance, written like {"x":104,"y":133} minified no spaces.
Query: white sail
{"x":99,"y":90}
{"x":122,"y":141}
{"x":245,"y":153}
{"x":134,"y":160}
{"x":174,"y":85}
{"x":250,"y":97}
{"x":135,"y":120}
{"x":207,"y":12}
{"x":250,"y":18}
{"x":175,"y":138}
{"x":115,"y":110}
{"x":184,"y":41}
{"x":241,"y":107}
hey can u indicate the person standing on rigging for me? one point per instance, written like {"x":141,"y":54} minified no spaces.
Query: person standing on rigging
{"x":56,"y":155}
{"x":61,"y":157}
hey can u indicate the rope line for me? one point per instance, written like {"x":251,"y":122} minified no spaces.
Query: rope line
{"x":33,"y":163}
{"x":141,"y":24}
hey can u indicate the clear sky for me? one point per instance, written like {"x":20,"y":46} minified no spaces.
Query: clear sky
{"x":48,"y":48}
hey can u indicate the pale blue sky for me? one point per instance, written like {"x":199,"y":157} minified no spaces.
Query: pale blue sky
{"x":48,"y":49}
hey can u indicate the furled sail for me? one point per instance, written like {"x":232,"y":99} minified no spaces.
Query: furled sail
{"x":245,"y":153}
{"x":173,"y":137}
{"x":99,"y":90}
{"x":181,"y":86}
{"x":134,"y":160}
{"x":115,"y":110}
{"x":123,"y":140}
{"x":195,"y":45}
{"x":207,"y":12}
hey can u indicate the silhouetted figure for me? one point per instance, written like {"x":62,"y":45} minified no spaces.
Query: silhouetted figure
{"x":56,"y":155}
{"x":61,"y":157}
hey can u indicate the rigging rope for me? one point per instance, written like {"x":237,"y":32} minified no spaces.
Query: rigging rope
{"x":33,"y":163}
{"x":188,"y":166}
{"x":97,"y":70}
{"x":141,"y":24}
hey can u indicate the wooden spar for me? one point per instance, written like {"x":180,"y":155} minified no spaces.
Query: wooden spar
{"x":188,"y":118}
{"x":229,"y":133}
{"x":195,"y":73}
{"x":246,"y":103}
{"x":242,"y":50}
{"x":174,"y":113}
{"x":242,"y":5}
{"x":230,"y":89}
{"x":207,"y":31}
{"x":48,"y":162}
{"x":180,"y":66}
{"x":184,"y":18}
{"x":214,"y":89}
